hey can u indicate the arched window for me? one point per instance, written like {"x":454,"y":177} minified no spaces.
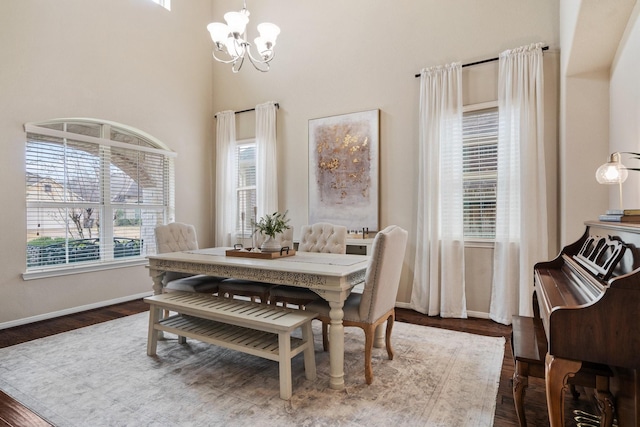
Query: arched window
{"x":95,"y":191}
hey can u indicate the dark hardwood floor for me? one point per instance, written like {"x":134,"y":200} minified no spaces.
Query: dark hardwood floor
{"x":13,"y":414}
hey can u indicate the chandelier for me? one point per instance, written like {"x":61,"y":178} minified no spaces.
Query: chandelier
{"x":230,"y":39}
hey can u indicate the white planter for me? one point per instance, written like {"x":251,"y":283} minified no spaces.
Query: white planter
{"x":270,"y":245}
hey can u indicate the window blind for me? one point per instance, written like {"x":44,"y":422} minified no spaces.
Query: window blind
{"x":91,"y":199}
{"x":480,"y":149}
{"x":246,"y":188}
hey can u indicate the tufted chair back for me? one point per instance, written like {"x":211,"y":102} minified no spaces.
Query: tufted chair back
{"x":383,"y":273}
{"x":285,"y":238}
{"x":175,"y":237}
{"x":323,"y":237}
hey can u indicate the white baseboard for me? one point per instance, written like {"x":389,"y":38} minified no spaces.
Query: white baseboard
{"x":46,"y":316}
{"x":72,"y":310}
{"x":476,"y":314}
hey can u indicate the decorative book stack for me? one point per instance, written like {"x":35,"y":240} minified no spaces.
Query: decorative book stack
{"x":621,"y":215}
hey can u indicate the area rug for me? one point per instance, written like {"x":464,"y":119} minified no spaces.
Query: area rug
{"x":101,"y":376}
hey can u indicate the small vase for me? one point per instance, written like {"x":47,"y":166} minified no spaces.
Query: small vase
{"x":270,"y":245}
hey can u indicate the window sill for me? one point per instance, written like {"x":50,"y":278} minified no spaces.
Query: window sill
{"x":479,"y":243}
{"x":65,"y":271}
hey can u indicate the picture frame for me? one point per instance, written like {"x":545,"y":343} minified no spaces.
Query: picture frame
{"x":344,"y":170}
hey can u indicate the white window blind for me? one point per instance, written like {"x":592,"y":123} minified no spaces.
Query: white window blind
{"x":246,"y":187}
{"x":94,"y":193}
{"x":480,"y":149}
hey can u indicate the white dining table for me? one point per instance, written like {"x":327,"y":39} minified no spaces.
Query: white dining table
{"x":332,"y":276}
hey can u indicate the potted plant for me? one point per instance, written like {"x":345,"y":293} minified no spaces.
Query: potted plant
{"x":271,"y":225}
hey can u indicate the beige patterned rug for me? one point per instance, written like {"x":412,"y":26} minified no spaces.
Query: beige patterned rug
{"x":101,"y":376}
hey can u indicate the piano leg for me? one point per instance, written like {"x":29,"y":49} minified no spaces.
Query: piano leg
{"x":557,"y":374}
{"x":605,"y":401}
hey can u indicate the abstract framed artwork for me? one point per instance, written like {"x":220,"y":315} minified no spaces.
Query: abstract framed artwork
{"x":344,"y":170}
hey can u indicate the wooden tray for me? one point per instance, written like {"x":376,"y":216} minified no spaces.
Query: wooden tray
{"x":260,"y":255}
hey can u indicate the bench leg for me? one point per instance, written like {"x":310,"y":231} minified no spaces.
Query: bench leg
{"x":309,"y":352}
{"x":284,"y":346}
{"x":152,"y":339}
{"x":520,"y":383}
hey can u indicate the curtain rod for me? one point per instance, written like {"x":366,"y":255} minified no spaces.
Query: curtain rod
{"x":251,"y":109}
{"x":484,"y":61}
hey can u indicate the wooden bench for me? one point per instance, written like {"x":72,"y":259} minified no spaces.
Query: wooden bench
{"x":529,"y":345}
{"x":257,"y":329}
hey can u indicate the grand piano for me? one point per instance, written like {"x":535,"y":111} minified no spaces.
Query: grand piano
{"x":587,"y":300}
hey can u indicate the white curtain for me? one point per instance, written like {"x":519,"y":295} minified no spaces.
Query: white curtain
{"x":225,"y":178}
{"x":521,"y":211}
{"x":438,"y":284}
{"x":266,"y":160}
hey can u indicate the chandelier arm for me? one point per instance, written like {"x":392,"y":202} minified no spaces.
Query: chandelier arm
{"x":262,"y":66}
{"x":258,"y":61}
{"x":233,"y":68}
{"x":224,"y":61}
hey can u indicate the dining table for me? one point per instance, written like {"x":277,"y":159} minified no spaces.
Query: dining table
{"x":331,"y":276}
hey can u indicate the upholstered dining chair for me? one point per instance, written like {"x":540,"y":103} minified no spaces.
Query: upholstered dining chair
{"x":319,"y":237}
{"x":177,"y":237}
{"x":247,"y":288}
{"x":376,"y":304}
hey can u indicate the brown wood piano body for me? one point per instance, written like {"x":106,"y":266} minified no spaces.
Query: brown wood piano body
{"x":592,"y":317}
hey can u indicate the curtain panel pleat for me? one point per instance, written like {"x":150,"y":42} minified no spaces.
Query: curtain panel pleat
{"x":266,"y":160}
{"x":439,"y":283}
{"x":225,"y":179}
{"x":521,"y":207}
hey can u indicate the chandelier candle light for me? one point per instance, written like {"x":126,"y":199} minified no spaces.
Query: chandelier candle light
{"x":230,"y":39}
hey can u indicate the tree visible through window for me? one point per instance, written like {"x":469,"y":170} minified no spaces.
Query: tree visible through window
{"x":480,"y":151}
{"x":95,"y":192}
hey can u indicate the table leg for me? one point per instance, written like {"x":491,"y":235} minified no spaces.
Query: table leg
{"x":336,"y":348}
{"x":157,"y":276}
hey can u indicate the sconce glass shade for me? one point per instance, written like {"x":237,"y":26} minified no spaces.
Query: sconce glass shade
{"x":269,"y":32}
{"x":237,"y":21}
{"x":261,"y":46}
{"x":612,"y":172}
{"x":219,"y":32}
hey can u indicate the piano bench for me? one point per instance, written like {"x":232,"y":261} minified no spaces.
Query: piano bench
{"x":529,"y":346}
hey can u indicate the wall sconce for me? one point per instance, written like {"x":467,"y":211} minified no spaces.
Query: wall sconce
{"x":613,"y":172}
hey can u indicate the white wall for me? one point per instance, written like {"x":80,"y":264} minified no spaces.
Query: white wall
{"x":625,"y":108}
{"x":591,"y":31}
{"x":129,"y":61}
{"x":335,"y":57}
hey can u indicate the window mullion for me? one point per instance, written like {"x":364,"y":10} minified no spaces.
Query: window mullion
{"x":106,"y":214}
